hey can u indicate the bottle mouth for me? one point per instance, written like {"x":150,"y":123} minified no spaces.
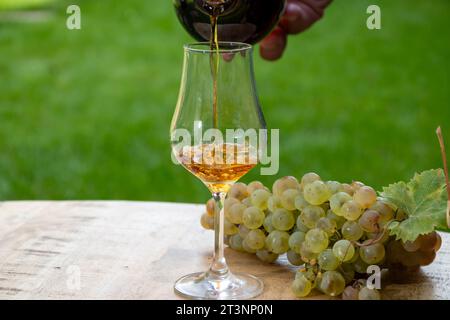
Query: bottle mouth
{"x":216,"y":7}
{"x":224,"y":47}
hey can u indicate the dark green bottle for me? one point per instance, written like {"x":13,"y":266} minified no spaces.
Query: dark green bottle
{"x":239,"y":20}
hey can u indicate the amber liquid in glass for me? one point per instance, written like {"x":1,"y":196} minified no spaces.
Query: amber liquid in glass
{"x":217,"y":166}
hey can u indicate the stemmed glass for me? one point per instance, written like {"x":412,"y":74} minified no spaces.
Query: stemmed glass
{"x":216,"y":135}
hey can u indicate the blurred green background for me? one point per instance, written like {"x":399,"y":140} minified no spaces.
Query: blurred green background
{"x":85,"y":114}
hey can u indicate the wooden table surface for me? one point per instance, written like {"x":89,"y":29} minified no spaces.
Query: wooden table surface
{"x":136,"y":250}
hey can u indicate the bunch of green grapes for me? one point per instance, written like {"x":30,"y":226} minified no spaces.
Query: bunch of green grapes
{"x":333,"y":231}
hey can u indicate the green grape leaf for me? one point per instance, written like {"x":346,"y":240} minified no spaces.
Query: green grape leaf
{"x":423,"y":199}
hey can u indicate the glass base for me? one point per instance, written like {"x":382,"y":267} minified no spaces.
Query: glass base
{"x":204,"y":285}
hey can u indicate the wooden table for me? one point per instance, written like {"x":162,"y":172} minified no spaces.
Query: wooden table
{"x":136,"y":250}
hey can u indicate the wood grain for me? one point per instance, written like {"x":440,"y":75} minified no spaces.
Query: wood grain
{"x":136,"y":250}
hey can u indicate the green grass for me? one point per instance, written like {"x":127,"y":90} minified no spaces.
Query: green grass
{"x":17,"y":4}
{"x":85,"y":114}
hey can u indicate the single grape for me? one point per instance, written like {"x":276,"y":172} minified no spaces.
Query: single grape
{"x":356,"y":185}
{"x":410,"y":259}
{"x":247,"y":248}
{"x":334,"y":186}
{"x":308,"y":178}
{"x":372,"y":254}
{"x":211,"y":207}
{"x":294,"y":258}
{"x":337,"y":219}
{"x":259,"y":198}
{"x":307,"y":255}
{"x":266,"y":256}
{"x":385,"y":211}
{"x":255,"y":185}
{"x":411,"y":246}
{"x":316,"y":192}
{"x":316,"y":240}
{"x":300,"y":203}
{"x":243,"y":231}
{"x":327,"y":225}
{"x":274,"y":203}
{"x":345,"y":187}
{"x":300,"y":225}
{"x":365,"y":196}
{"x":332,"y":283}
{"x":229,"y":202}
{"x":368,"y":294}
{"x":267,"y":224}
{"x":350,"y":293}
{"x":327,"y":260}
{"x":369,"y":221}
{"x":295,"y":241}
{"x":253,"y":217}
{"x":301,"y":287}
{"x":282,"y":219}
{"x":343,"y":250}
{"x":256,"y":239}
{"x":310,"y":215}
{"x":337,"y":200}
{"x":426,"y":257}
{"x":428,"y":241}
{"x":235,"y":214}
{"x":351,"y":210}
{"x":238,"y":191}
{"x":207,"y":221}
{"x":283,"y":184}
{"x":352,"y":231}
{"x":415,"y":259}
{"x":235,"y":242}
{"x":278,"y":241}
{"x":229,"y":228}
{"x":287,"y":198}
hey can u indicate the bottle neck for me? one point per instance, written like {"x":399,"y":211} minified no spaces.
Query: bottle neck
{"x":216,"y":7}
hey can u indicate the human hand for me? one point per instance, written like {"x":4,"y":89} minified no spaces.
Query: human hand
{"x":298,"y":16}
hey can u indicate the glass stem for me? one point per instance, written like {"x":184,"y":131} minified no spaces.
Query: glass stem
{"x":219,"y":265}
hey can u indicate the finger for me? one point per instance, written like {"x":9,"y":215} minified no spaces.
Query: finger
{"x":272,"y":47}
{"x":301,"y":14}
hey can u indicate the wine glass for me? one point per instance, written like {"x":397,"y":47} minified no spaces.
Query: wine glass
{"x":213,"y":136}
